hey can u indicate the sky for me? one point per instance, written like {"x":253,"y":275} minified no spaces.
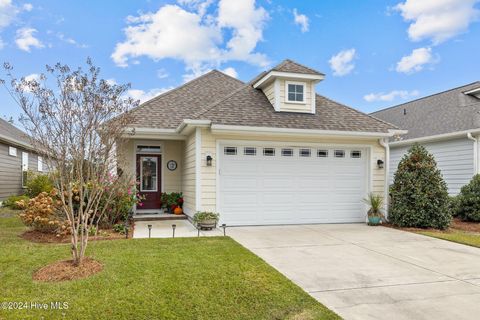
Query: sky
{"x":374,"y":53}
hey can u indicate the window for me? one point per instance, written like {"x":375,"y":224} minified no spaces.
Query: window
{"x":356,"y":154}
{"x":249,"y":151}
{"x":12,"y":151}
{"x":148,"y":174}
{"x":339,"y":153}
{"x":322,"y":153}
{"x":24,"y":168}
{"x":40,"y":164}
{"x":269,"y":152}
{"x":295,"y":92}
{"x":148,"y":149}
{"x":230,"y":151}
{"x":287,"y":152}
{"x":305,"y":152}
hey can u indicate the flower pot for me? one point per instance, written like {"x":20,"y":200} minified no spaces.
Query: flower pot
{"x":374,"y":220}
{"x":207,"y":224}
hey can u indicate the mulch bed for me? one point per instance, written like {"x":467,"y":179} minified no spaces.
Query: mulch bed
{"x":65,"y":270}
{"x":40,"y":237}
{"x":457,"y":224}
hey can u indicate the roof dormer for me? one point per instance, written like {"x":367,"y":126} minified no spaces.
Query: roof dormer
{"x":290,"y":87}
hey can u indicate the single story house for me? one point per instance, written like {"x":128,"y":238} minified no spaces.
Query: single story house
{"x":17,"y":157}
{"x":448,"y":125}
{"x":269,"y":151}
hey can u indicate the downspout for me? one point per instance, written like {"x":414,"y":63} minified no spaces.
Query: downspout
{"x":384,"y":143}
{"x":476,"y":169}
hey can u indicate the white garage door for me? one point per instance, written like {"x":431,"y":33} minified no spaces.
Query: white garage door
{"x":263,"y":185}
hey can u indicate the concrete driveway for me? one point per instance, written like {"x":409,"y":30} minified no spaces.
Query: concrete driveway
{"x":364,"y":272}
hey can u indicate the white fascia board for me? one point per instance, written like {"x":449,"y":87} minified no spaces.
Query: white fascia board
{"x":16,"y":142}
{"x":475,"y":91}
{"x":443,"y":136}
{"x":152,"y":133}
{"x":217,"y":128}
{"x":291,"y":75}
{"x":193,"y":123}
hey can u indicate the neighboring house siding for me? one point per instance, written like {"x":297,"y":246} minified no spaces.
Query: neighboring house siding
{"x":454,"y":159}
{"x":209,"y":146}
{"x":189,"y":175}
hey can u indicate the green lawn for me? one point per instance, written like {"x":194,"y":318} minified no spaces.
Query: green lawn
{"x":459,"y":236}
{"x":191,"y":278}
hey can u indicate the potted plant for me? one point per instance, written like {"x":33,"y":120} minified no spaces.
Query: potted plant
{"x":374,"y":214}
{"x":206,"y":220}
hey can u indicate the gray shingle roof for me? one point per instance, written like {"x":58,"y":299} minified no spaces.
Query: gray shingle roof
{"x":168,"y":110}
{"x":295,"y":67}
{"x":444,"y":112}
{"x":250,"y":107}
{"x":12,"y":133}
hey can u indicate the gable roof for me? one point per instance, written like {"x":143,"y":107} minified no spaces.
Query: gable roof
{"x":224,"y":100}
{"x":445,"y":112}
{"x":294,"y":67}
{"x":169,"y":109}
{"x":11,"y":134}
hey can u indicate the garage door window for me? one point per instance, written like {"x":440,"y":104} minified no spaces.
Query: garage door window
{"x":305,"y":152}
{"x":249,"y":151}
{"x":339,"y":153}
{"x":287,"y":152}
{"x":269,"y":152}
{"x":356,"y":154}
{"x":230,"y":151}
{"x":322,"y":153}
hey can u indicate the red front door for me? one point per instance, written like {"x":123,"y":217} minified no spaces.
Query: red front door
{"x":149,"y":177}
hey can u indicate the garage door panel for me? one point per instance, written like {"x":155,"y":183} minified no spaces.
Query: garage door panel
{"x":256,"y":190}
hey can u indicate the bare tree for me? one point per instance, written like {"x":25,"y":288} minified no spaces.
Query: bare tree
{"x":75,"y":119}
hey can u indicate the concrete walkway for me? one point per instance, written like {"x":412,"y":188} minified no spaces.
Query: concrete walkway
{"x":364,"y":272}
{"x":163,"y":229}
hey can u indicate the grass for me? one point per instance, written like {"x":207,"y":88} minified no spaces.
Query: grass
{"x":459,"y":236}
{"x":189,"y":278}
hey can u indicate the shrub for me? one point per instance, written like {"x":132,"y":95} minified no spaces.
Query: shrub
{"x":120,"y":228}
{"x":41,"y":213}
{"x":419,"y":193}
{"x":11,"y":202}
{"x":38,"y":183}
{"x":468,"y":201}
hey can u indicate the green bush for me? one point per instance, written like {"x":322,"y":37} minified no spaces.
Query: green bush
{"x":468,"y":201}
{"x":38,"y":183}
{"x":11,"y":202}
{"x":419,"y":193}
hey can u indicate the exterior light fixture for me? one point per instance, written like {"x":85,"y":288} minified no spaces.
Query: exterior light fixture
{"x":224,"y":226}
{"x":149,"y":231}
{"x":173,"y":229}
{"x":380,"y":164}
{"x":209,"y":160}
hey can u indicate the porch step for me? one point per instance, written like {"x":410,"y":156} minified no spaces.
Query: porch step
{"x":159,"y":216}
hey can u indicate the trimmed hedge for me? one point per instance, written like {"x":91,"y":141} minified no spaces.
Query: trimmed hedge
{"x":468,"y":201}
{"x":419,"y":193}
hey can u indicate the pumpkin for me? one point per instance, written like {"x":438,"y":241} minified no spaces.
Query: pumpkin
{"x":178,"y":210}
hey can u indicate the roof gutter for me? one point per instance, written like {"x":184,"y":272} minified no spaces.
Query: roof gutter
{"x":459,"y":134}
{"x":16,"y":142}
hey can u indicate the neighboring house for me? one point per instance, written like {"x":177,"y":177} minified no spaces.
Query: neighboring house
{"x":448,"y":125}
{"x":270,"y":151}
{"x":16,"y":158}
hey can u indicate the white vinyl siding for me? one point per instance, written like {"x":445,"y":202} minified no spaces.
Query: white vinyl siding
{"x":454,"y":159}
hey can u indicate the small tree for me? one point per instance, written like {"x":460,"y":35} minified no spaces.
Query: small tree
{"x":69,"y":118}
{"x":419,"y":193}
{"x":468,"y":201}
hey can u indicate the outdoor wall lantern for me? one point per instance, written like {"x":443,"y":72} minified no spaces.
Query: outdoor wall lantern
{"x":380,"y":164}
{"x":149,"y":230}
{"x":209,"y":160}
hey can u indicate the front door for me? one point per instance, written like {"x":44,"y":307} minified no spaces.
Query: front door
{"x":149,"y":177}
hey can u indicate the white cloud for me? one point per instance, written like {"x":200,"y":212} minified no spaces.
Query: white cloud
{"x":438,"y":20}
{"x":28,"y":7}
{"x":342,"y":63}
{"x":231,"y":72}
{"x":301,"y":20}
{"x":71,"y":41}
{"x":162,"y":73}
{"x":415,"y":61}
{"x":186,"y":32}
{"x":143,"y":96}
{"x":32,"y":77}
{"x":390,"y":96}
{"x":25,"y":39}
{"x":7,"y":13}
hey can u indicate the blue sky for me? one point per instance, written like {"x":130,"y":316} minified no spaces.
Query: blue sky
{"x":374,"y":53}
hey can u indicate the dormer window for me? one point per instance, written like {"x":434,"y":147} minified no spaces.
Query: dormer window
{"x":295,"y":92}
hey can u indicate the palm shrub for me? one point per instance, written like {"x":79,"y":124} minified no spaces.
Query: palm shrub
{"x":468,"y":201}
{"x":419,"y":193}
